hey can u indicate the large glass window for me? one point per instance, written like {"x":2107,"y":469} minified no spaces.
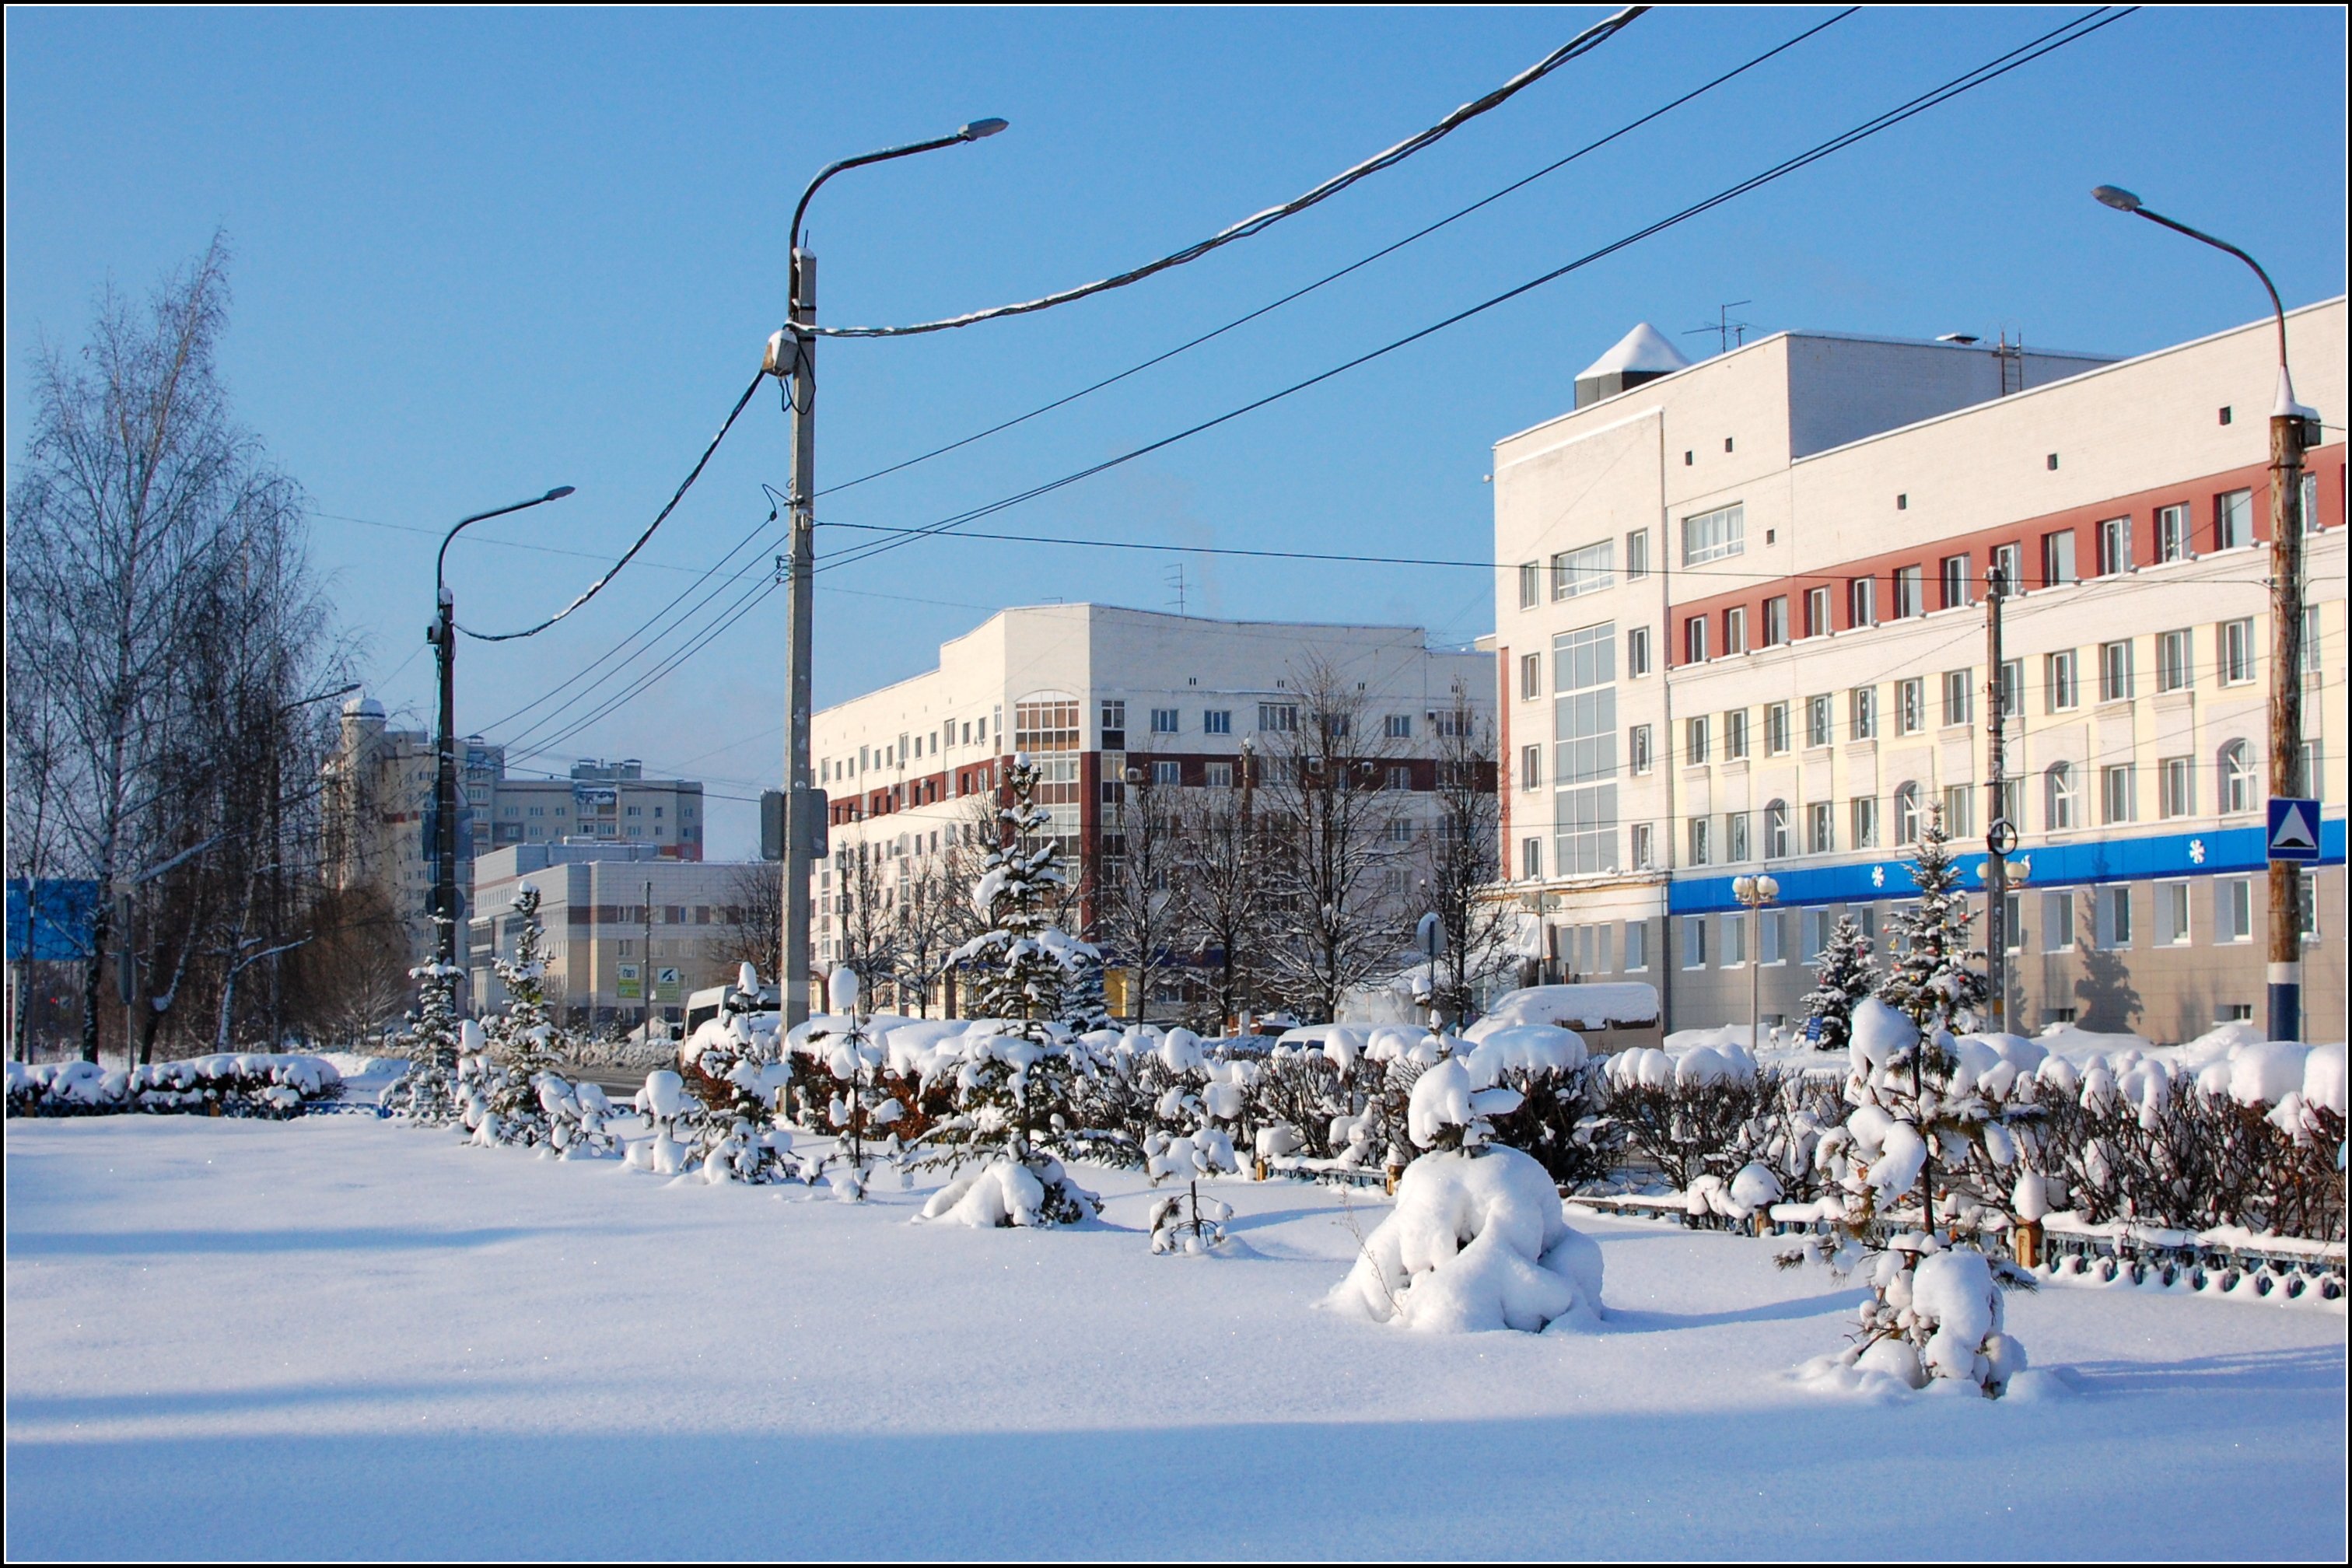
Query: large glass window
{"x":1713,"y":535}
{"x":1584,"y":735}
{"x":1585,"y":570}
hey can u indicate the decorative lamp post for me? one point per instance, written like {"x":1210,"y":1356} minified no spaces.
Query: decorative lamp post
{"x":1755,"y":892}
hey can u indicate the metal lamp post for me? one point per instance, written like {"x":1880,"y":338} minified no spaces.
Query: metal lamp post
{"x":792,"y":355}
{"x":1755,"y":892}
{"x":2293,"y":428}
{"x":442,"y":634}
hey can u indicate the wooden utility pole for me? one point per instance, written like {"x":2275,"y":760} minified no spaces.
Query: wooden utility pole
{"x":2288,"y":433}
{"x":2000,"y":834}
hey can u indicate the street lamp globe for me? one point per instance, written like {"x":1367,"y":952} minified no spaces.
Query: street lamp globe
{"x":2116,"y":196}
{"x":1767,"y":887}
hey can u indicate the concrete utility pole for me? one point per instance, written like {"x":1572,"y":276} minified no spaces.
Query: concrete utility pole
{"x":2293,"y":428}
{"x":646,"y":968}
{"x":792,"y":358}
{"x":2000,"y":834}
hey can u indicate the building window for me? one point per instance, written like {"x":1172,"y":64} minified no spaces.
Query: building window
{"x":1530,"y":767}
{"x":2175,"y":790}
{"x":1637,"y":946}
{"x":1584,"y":733}
{"x":1637,"y":554}
{"x":1400,"y":775}
{"x":2236,"y":774}
{"x":1279,"y":717}
{"x":1959,"y":810}
{"x":1776,"y":830}
{"x":2233,"y":519}
{"x":2172,"y":533}
{"x":1776,"y":621}
{"x":2012,"y":689}
{"x":1956,"y":696}
{"x":2173,"y":672}
{"x":1530,"y":676}
{"x":1217,"y":722}
{"x":1821,"y":828}
{"x":1694,"y":942}
{"x":2310,"y":640}
{"x":1818,"y":725}
{"x":1400,"y":725}
{"x":2116,"y":671}
{"x":1734,"y":629}
{"x":2009,"y":566}
{"x":1695,"y":739}
{"x":1910,"y":706}
{"x":1531,"y":858}
{"x":1771,"y":936}
{"x":1776,"y":730}
{"x":1585,"y":570}
{"x":1956,"y":581}
{"x":1714,"y":535}
{"x":1697,"y":830}
{"x":1816,"y":935}
{"x":1219,"y":776}
{"x":1164,"y":721}
{"x":1694,"y":640}
{"x":1864,"y":810}
{"x":1644,"y":857}
{"x":2171,"y":913}
{"x":1734,"y":941}
{"x":2058,"y":796}
{"x":1637,"y":748}
{"x":2113,"y":907}
{"x":1735,"y":735}
{"x":2060,"y":681}
{"x":1910,"y":594}
{"x":2057,"y":920}
{"x":1530,"y":585}
{"x":2236,"y":640}
{"x":2058,"y":559}
{"x":2114,"y":546}
{"x":1861,"y":717}
{"x":1817,"y":611}
{"x":1906,"y":813}
{"x":2233,"y":910}
{"x":1167,"y":775}
{"x":1637,"y":653}
{"x":1735,"y":836}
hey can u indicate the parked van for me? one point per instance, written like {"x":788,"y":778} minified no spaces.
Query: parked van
{"x":703,"y":1006}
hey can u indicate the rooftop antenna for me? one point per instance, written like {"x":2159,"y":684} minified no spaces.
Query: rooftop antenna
{"x":1175,"y":580}
{"x":1729,"y":333}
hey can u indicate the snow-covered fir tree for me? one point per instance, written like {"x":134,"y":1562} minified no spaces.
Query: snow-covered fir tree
{"x":1187,"y":1142}
{"x":1013,"y":1088}
{"x":427,"y":1094}
{"x":1932,"y":978}
{"x":522,"y":1043}
{"x":1845,"y":975}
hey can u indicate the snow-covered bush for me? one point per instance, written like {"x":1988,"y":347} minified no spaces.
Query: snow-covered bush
{"x":248,"y":1084}
{"x":1939,"y":1317}
{"x":428,"y":1094}
{"x":1192,"y":1137}
{"x":726,"y":1122}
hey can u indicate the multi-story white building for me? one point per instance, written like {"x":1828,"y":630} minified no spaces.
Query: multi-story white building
{"x":607,"y":942}
{"x":1089,"y":690}
{"x":1742,"y":628}
{"x":378,"y":810}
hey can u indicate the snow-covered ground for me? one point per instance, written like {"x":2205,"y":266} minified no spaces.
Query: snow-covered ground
{"x":336,"y":1337}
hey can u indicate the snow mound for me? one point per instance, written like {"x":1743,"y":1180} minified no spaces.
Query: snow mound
{"x":1618,"y":1005}
{"x":1476,"y":1242}
{"x":1009,"y":1192}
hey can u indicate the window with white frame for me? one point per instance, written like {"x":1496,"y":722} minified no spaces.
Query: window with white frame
{"x":2116,"y":671}
{"x":2233,"y":910}
{"x":1861,"y":713}
{"x":1863,"y":811}
{"x":2175,"y":789}
{"x":1821,"y":828}
{"x":1530,"y":585}
{"x":1531,"y":858}
{"x":1771,"y":936}
{"x":2114,"y":546}
{"x":2058,"y":559}
{"x":1584,"y":735}
{"x":1637,"y":748}
{"x":2009,"y":565}
{"x":1530,"y":767}
{"x":1959,"y":810}
{"x":2058,"y":921}
{"x":1281,"y":717}
{"x":1817,"y":612}
{"x":1637,"y":554}
{"x":2234,"y":782}
{"x":1776,"y":830}
{"x":1218,"y":776}
{"x":2172,"y":541}
{"x":2233,"y":519}
{"x":2060,"y":681}
{"x":1734,"y":629}
{"x":1956,"y":696}
{"x":1398,"y":726}
{"x":2172,"y":901}
{"x":1820,"y":726}
{"x":1167,"y":775}
{"x":1694,"y":640}
{"x":2309,"y":639}
{"x":1217,"y":722}
{"x":2012,"y":689}
{"x":1714,"y":535}
{"x":1906,"y":813}
{"x":2235,"y":641}
{"x":1694,"y":739}
{"x":2174,"y":670}
{"x":1735,"y":836}
{"x":1694,"y":942}
{"x":1166,"y":722}
{"x":1735,"y":735}
{"x":1637,"y":946}
{"x":1644,"y":856}
{"x":1735,"y":940}
{"x":1776,"y":621}
{"x":1910,"y":706}
{"x":1637,"y":652}
{"x":2058,"y":796}
{"x":1910,"y":593}
{"x":1776,"y":730}
{"x":1585,"y":570}
{"x":2113,"y":910}
{"x":1862,"y":597}
{"x":1530,"y":676}
{"x":1695,"y":829}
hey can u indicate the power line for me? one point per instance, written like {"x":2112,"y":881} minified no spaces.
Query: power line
{"x":1422,"y":232}
{"x":2056,"y":38}
{"x":1592,"y":37}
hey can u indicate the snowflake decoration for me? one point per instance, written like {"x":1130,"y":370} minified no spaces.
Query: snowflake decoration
{"x":2196,"y":851}
{"x":1878,"y":876}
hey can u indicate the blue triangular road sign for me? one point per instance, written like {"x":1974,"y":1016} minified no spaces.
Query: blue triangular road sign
{"x":2293,"y":828}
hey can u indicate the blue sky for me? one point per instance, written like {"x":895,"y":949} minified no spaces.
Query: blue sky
{"x":480,"y":253}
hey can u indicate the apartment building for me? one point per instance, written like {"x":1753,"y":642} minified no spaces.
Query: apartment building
{"x":1743,"y":629}
{"x":622,"y":920}
{"x":1091,"y":691}
{"x":377,"y":812}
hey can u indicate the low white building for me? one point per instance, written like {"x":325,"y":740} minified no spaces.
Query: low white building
{"x":1741,"y":625}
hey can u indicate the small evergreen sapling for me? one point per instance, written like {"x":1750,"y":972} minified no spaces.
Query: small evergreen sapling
{"x":427,"y":1094}
{"x":1844,"y":975}
{"x":1185,"y":1144}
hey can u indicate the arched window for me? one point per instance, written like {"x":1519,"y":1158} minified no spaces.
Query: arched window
{"x":1906,"y":814}
{"x":2237,"y":770}
{"x":1776,"y":830}
{"x":2058,"y":796}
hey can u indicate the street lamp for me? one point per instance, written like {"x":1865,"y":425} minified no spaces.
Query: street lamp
{"x":1755,"y":892}
{"x":2293,"y":428}
{"x":442,"y":634}
{"x":792,"y":353}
